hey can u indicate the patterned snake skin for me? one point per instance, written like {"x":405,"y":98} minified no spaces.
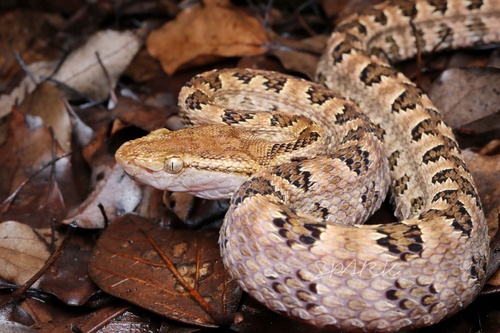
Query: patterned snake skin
{"x":292,"y":237}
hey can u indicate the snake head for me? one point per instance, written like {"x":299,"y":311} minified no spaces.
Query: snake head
{"x":192,"y":160}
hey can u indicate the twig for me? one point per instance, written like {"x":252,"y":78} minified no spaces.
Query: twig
{"x":7,"y":201}
{"x":24,"y":67}
{"x":113,"y":97}
{"x":70,"y":89}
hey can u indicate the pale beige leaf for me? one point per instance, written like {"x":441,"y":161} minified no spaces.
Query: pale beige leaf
{"x":18,"y":94}
{"x":22,"y":252}
{"x":117,"y":193}
{"x":47,"y":102}
{"x":81,"y":70}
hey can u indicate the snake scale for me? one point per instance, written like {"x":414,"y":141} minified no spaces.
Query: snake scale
{"x":292,"y":237}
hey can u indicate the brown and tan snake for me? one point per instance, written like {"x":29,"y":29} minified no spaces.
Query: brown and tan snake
{"x":305,"y":168}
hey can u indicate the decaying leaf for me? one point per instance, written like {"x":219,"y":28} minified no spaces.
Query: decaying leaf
{"x":47,"y":102}
{"x":22,"y":252}
{"x":466,"y":95}
{"x":117,"y":193}
{"x":138,"y":260}
{"x":68,"y":277}
{"x":28,"y":149}
{"x":300,"y":56}
{"x":81,"y":70}
{"x":30,"y":34}
{"x":486,"y":173}
{"x":201,"y":32}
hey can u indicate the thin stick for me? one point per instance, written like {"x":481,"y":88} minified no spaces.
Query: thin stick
{"x":6,"y":202}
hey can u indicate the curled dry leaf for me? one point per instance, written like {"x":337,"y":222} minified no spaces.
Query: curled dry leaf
{"x":201,"y":32}
{"x":466,"y":95}
{"x":175,"y":273}
{"x":22,"y":252}
{"x":117,"y":193}
{"x":81,"y":70}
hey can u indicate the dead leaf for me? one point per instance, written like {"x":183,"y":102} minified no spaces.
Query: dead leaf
{"x":68,"y":277}
{"x":28,"y":149}
{"x":152,"y":207}
{"x":22,"y":252}
{"x":81,"y":70}
{"x":300,"y":56}
{"x":117,"y":193}
{"x":196,"y":211}
{"x":46,"y":102}
{"x":30,"y":34}
{"x":486,"y":173}
{"x":340,"y":9}
{"x":466,"y":95}
{"x":144,"y":116}
{"x":10,"y":326}
{"x":201,"y":32}
{"x":151,"y":266}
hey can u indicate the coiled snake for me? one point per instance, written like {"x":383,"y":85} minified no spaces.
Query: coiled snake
{"x":292,"y":237}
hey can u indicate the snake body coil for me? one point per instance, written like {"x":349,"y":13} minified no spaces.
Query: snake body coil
{"x":281,"y":238}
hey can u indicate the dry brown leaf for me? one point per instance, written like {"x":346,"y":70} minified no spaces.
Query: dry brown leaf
{"x":300,"y":56}
{"x":117,"y":193}
{"x":28,"y":149}
{"x":26,"y":86}
{"x":201,"y":32}
{"x":138,"y":260}
{"x":141,"y":115}
{"x":30,"y":33}
{"x":22,"y":252}
{"x":81,"y":70}
{"x":486,"y":173}
{"x":466,"y":95}
{"x":46,"y":102}
{"x":343,"y":8}
{"x":68,"y":278}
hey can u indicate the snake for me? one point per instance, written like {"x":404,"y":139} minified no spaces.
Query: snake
{"x":304,"y":167}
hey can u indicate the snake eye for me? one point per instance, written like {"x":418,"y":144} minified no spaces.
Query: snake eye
{"x":174,"y":165}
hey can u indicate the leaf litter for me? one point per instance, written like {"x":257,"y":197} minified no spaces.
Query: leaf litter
{"x":57,"y":162}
